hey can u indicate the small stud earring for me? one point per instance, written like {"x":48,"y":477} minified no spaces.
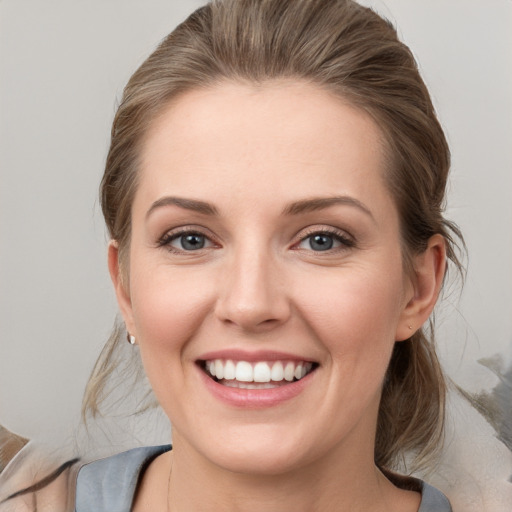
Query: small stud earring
{"x":410,"y":327}
{"x":130,"y":338}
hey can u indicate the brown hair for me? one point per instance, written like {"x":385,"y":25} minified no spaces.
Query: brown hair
{"x":351,"y":51}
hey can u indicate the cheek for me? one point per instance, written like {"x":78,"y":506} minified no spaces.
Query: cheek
{"x":354,"y":312}
{"x":168,"y":307}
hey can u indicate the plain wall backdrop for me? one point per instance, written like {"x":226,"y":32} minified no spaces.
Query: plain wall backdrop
{"x":63,"y":64}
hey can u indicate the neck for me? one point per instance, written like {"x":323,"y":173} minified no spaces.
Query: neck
{"x":324,"y":485}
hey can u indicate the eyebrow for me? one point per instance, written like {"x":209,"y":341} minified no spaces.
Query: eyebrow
{"x":321,"y":203}
{"x":295,"y":208}
{"x":187,"y":204}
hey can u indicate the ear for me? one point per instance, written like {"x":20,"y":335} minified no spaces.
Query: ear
{"x":120,"y":286}
{"x":424,"y":287}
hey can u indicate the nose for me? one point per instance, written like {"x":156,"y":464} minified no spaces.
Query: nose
{"x":252,"y":294}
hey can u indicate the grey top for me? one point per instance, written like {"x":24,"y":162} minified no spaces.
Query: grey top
{"x":108,"y":485}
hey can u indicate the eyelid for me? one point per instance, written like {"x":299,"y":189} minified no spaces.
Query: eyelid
{"x":346,"y":240}
{"x":175,"y":233}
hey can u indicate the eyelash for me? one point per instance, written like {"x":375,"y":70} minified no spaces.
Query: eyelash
{"x":345,"y":241}
{"x":169,"y":237}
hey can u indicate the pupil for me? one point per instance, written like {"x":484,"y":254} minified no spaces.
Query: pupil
{"x":192,"y":242}
{"x":321,"y":242}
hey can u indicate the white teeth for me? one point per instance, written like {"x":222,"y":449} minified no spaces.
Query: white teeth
{"x":229,"y":370}
{"x":249,"y":385}
{"x":243,"y":372}
{"x":260,"y":372}
{"x":289,"y":371}
{"x":219,"y":369}
{"x":277,"y":373}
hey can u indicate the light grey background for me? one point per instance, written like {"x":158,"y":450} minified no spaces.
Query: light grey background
{"x":63,"y":64}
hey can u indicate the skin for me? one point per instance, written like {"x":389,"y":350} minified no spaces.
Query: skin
{"x":257,"y":284}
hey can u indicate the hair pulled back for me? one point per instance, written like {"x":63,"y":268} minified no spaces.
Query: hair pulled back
{"x":350,"y":51}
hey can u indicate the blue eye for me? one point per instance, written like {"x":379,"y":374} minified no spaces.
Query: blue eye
{"x":190,"y":242}
{"x":323,"y":241}
{"x":185,"y":241}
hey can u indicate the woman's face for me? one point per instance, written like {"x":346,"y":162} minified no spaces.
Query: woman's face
{"x":265,"y":246}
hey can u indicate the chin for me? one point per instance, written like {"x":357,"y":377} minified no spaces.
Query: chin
{"x":261,"y":450}
{"x":259,"y":461}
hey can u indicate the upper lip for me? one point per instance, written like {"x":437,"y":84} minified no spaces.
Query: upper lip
{"x":253,"y":356}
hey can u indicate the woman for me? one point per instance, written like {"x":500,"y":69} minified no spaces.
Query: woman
{"x":274,"y":192}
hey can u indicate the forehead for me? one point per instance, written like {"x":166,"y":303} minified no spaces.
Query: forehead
{"x":294,"y":138}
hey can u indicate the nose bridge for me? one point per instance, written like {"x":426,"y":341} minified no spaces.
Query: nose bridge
{"x":252,"y":294}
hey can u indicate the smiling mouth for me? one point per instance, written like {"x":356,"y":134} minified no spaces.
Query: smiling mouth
{"x":256,"y":375}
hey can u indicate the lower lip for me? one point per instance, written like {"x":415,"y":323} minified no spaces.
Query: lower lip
{"x":255,"y":398}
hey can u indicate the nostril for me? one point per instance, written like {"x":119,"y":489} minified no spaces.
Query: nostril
{"x":251,"y":298}
{"x":252,"y":320}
